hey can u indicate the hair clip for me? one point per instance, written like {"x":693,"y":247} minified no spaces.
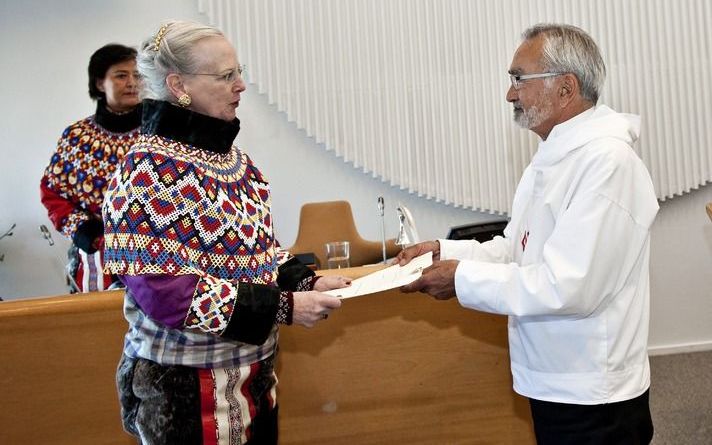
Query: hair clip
{"x":159,"y":37}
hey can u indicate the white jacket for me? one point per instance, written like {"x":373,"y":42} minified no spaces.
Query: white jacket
{"x":572,"y":269}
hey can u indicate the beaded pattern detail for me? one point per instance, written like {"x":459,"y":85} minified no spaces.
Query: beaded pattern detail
{"x":86,"y":157}
{"x":212,"y":305}
{"x":174,"y":209}
{"x":306,"y":284}
{"x":72,"y":222}
{"x":285,"y":308}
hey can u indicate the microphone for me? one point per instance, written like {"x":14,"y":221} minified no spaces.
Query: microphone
{"x":381,"y":207}
{"x":8,"y":233}
{"x":407,"y":233}
{"x":46,"y":234}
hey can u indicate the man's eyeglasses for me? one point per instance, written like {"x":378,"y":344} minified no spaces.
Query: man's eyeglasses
{"x":228,"y":76}
{"x":518,"y":80}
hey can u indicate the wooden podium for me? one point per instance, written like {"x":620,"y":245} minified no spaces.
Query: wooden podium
{"x":387,"y":368}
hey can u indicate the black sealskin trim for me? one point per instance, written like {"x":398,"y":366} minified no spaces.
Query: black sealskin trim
{"x":117,"y":123}
{"x":182,"y":125}
{"x":253,"y":314}
{"x":291,"y":273}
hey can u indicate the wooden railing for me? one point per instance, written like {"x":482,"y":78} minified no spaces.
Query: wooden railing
{"x":385,"y":368}
{"x":57,"y":369}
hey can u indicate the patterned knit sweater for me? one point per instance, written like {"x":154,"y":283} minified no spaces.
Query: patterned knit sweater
{"x":73,"y":185}
{"x":187,"y":204}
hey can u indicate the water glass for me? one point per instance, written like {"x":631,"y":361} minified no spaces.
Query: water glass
{"x":337,"y":254}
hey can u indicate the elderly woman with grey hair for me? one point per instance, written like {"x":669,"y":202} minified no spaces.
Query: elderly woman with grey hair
{"x":189,"y":232}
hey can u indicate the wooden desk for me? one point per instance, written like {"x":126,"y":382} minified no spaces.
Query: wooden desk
{"x":393,"y":368}
{"x":388,"y":368}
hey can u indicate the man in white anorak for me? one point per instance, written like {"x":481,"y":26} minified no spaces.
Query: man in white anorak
{"x":571,"y":270}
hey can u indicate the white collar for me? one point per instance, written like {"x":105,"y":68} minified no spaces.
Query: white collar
{"x":563,"y":127}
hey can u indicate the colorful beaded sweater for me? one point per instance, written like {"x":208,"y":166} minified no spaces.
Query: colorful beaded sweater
{"x":188,"y":229}
{"x":73,"y":185}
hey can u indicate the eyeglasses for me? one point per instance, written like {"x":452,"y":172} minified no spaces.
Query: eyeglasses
{"x":228,"y":76}
{"x":517,"y":80}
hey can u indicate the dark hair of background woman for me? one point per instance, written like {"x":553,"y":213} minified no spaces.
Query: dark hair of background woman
{"x":102,"y":60}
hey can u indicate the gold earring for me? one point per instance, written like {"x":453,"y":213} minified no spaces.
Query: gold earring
{"x":184,"y":100}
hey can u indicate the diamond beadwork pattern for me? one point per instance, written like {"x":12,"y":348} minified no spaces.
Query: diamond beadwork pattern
{"x":172,"y":209}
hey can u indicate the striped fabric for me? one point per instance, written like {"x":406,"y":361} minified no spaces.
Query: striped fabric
{"x":90,"y":277}
{"x":228,"y":405}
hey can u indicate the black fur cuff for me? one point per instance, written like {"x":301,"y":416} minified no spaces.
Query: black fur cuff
{"x":254,"y":313}
{"x":86,"y":233}
{"x":291,"y":273}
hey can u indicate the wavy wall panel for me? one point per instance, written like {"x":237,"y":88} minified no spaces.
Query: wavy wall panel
{"x":412,"y":91}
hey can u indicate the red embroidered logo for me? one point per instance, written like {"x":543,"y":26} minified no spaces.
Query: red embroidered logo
{"x":524,"y":240}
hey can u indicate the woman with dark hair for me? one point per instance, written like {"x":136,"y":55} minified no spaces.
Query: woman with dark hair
{"x":73,"y":185}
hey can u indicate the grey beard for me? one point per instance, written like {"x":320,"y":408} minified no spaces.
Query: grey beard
{"x":536,"y":114}
{"x":533,"y":117}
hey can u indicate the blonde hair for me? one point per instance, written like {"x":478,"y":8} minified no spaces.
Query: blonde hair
{"x":168,"y":51}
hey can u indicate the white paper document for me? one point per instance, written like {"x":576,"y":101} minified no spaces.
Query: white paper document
{"x":384,"y":279}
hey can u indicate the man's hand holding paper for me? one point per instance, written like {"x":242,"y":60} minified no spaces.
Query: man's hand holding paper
{"x":406,"y":255}
{"x":437,"y":280}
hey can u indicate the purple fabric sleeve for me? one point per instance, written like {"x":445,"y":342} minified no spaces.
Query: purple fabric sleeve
{"x":164,"y":298}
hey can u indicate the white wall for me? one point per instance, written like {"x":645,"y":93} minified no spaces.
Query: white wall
{"x":46,"y":46}
{"x":680,"y":271}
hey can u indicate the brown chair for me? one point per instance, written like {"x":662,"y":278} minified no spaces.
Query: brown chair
{"x":709,"y":209}
{"x":323,"y":222}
